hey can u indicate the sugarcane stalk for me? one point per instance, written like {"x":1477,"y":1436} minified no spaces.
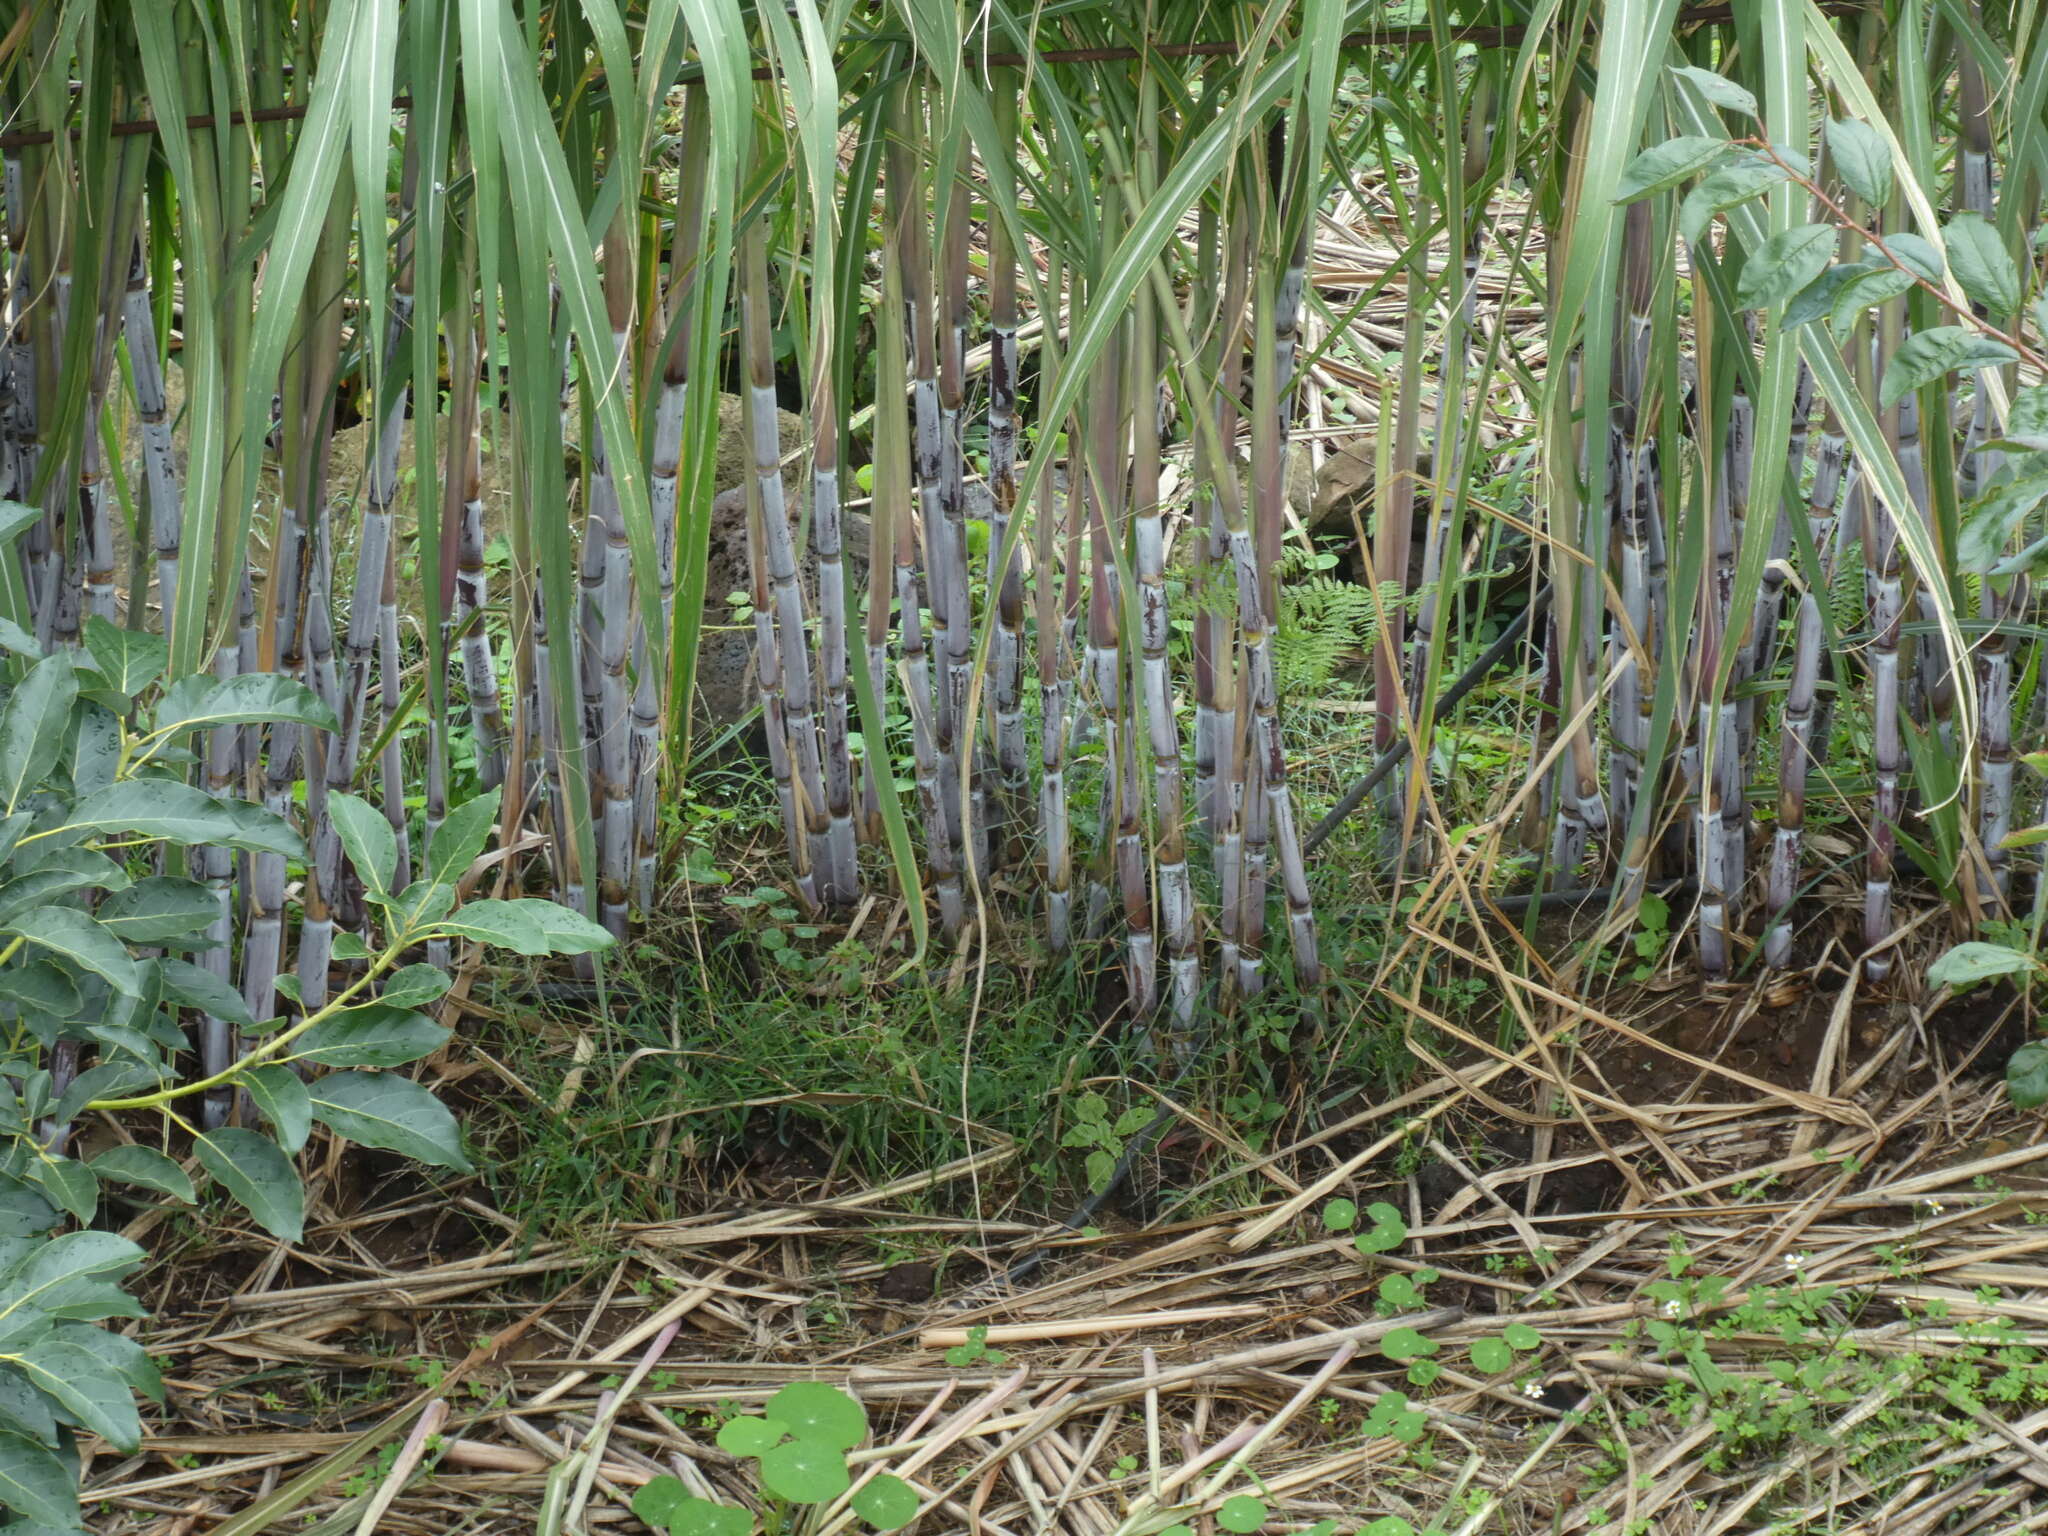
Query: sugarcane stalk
{"x":1995,"y":761}
{"x":619,"y":614}
{"x":1005,"y":575}
{"x":1048,"y":606}
{"x":948,"y":558}
{"x":1795,"y":758}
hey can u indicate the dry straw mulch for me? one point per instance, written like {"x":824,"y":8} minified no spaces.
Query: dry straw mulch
{"x":1150,"y":1368}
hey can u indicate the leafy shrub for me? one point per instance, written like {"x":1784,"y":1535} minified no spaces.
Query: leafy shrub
{"x":90,"y":780}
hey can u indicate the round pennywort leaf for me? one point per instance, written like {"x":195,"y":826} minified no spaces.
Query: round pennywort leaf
{"x":820,"y":1414}
{"x":804,"y":1472}
{"x":1242,"y":1513}
{"x":886,"y":1502}
{"x":750,"y":1436}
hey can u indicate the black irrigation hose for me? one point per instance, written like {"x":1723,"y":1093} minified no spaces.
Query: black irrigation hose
{"x":1354,"y":797}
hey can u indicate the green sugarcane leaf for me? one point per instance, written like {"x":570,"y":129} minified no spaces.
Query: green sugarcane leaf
{"x":1718,"y":89}
{"x":146,"y":1168}
{"x":378,"y":1109}
{"x":86,"y":1389}
{"x":83,"y":942}
{"x":371,"y":843}
{"x":178,"y":813}
{"x":1929,"y":355}
{"x":375,"y":1035}
{"x":35,"y":1483}
{"x":1982,"y":264}
{"x":249,"y":698}
{"x":30,"y":733}
{"x":1785,"y":263}
{"x":129,"y":659}
{"x":259,"y":1177}
{"x":1862,"y":158}
{"x":281,"y":1096}
{"x":1665,"y":165}
{"x":160,"y":909}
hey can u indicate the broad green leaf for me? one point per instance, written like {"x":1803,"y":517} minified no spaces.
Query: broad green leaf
{"x":1718,"y":89}
{"x":1521,"y":1336}
{"x":1340,"y":1215}
{"x":1932,"y":354}
{"x":527,"y":926}
{"x":460,"y":838}
{"x":374,"y":1035}
{"x":1991,"y":522}
{"x":1866,"y":289}
{"x":33,"y":1482}
{"x":55,"y":1272}
{"x":704,"y":1517}
{"x":260,"y":1178}
{"x":1917,"y":255}
{"x":88,"y":1390}
{"x":68,"y":1182}
{"x":178,"y":813}
{"x":2027,"y":422}
{"x":108,"y":1080}
{"x":1667,"y":164}
{"x":1242,"y":1513}
{"x":1982,"y":264}
{"x":657,"y":1499}
{"x":145,"y":1167}
{"x":412,"y":985}
{"x":378,"y":1109}
{"x":1786,"y":263}
{"x":31,"y":727}
{"x":886,"y":1502}
{"x":1405,"y":1344}
{"x":159,"y":909}
{"x":248,"y":698}
{"x":2026,"y":1075}
{"x":748,"y":1434}
{"x":18,"y":640}
{"x":23,"y":1213}
{"x":64,"y":871}
{"x":129,"y":659}
{"x":1862,"y":158}
{"x":23,"y":1409}
{"x":1491,"y":1356}
{"x":820,"y":1412}
{"x":281,"y":1096}
{"x":81,"y":941}
{"x":1813,"y":301}
{"x":804,"y":1472}
{"x":1977,"y":961}
{"x":1725,"y":187}
{"x":199,"y":988}
{"x":372,"y":845}
{"x":41,"y":985}
{"x":95,"y":747}
{"x":122,"y":1355}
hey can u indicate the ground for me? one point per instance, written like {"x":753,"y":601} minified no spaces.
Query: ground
{"x":1673,"y":1262}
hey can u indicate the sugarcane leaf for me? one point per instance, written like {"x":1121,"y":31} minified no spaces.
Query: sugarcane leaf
{"x":86,"y":1389}
{"x":1866,"y":289}
{"x":1981,"y":263}
{"x":160,"y":909}
{"x":200,"y":988}
{"x":1929,"y":355}
{"x":1717,"y":89}
{"x":32,"y":727}
{"x":178,"y":813}
{"x":380,"y":1109}
{"x":1975,"y":961}
{"x":35,"y":1483}
{"x":81,"y":941}
{"x":1785,"y":263}
{"x":371,"y":843}
{"x":1665,"y":165}
{"x":375,"y":1035}
{"x":283,"y":1099}
{"x":460,"y":838}
{"x":145,"y":1167}
{"x":1862,"y":158}
{"x":259,"y":1177}
{"x":129,"y":659}
{"x":2026,"y":1075}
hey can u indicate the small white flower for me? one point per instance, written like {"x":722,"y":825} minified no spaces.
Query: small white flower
{"x":1934,"y":1207}
{"x":1533,"y":1387}
{"x":1795,"y":1262}
{"x":1672,"y":1308}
